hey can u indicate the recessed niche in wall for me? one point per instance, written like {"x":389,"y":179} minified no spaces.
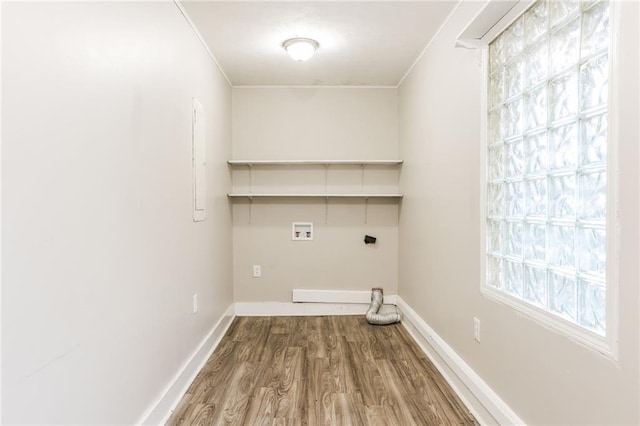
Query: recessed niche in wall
{"x":302,"y":231}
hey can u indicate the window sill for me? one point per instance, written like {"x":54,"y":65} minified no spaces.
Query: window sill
{"x":554,"y":323}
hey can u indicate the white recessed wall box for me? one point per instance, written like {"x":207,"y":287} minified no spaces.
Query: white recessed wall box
{"x":302,"y":231}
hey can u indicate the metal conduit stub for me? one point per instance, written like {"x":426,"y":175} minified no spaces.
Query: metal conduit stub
{"x":372,"y":315}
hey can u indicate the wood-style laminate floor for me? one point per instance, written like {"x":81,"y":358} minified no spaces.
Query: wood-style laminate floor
{"x":335,"y":370}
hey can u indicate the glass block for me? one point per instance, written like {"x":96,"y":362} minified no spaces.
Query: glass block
{"x":561,"y":10}
{"x":512,"y":119}
{"x":594,"y":83}
{"x":536,"y":197}
{"x":562,"y":295}
{"x":593,"y":143}
{"x":515,"y":158}
{"x":563,"y":96}
{"x":535,"y":22}
{"x":586,"y":4}
{"x":513,"y":79}
{"x":514,"y":199}
{"x":549,"y":138}
{"x":535,"y":242}
{"x":496,"y":88}
{"x":536,"y":64}
{"x":496,"y":54}
{"x":514,"y":239}
{"x":535,"y":286}
{"x":593,"y":196}
{"x":562,"y":197}
{"x":592,"y":306}
{"x":595,"y":28}
{"x":495,"y":272}
{"x":562,"y":246}
{"x":513,"y":278}
{"x":495,"y":236}
{"x":535,"y":108}
{"x":495,"y":200}
{"x":496,"y":162}
{"x":495,"y":126}
{"x":536,"y":152}
{"x":563,"y":142}
{"x":592,"y":251}
{"x":565,"y":47}
{"x":513,"y":40}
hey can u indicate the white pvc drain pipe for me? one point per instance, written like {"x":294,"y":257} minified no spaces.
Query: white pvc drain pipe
{"x":373,"y":317}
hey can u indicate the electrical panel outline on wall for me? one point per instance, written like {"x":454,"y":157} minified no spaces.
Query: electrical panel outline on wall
{"x":199,"y":161}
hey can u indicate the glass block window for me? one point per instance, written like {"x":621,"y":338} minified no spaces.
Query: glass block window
{"x":547,"y":160}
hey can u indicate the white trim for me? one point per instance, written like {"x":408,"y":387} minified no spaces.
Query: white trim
{"x":482,"y":401}
{"x":1,"y":245}
{"x":552,"y":322}
{"x":290,"y":309}
{"x":304,"y":195}
{"x":159,"y":412}
{"x":494,"y":17}
{"x":509,"y":18}
{"x":429,"y":43}
{"x":307,"y":86}
{"x":314,"y":162}
{"x":484,"y":127}
{"x":613,"y":175}
{"x":202,"y":41}
{"x":337,"y":296}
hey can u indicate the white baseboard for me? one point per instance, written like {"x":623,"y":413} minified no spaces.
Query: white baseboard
{"x":316,"y":302}
{"x":286,"y":309}
{"x":337,"y":296}
{"x":163,"y":407}
{"x":482,"y":401}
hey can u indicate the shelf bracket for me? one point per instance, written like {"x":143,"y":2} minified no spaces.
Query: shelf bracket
{"x":326,"y":210}
{"x":326,"y":178}
{"x":366,"y":210}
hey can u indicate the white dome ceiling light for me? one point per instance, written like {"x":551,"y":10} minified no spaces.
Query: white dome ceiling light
{"x":300,"y":49}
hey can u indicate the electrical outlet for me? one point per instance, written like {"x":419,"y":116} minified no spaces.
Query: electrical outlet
{"x":257,"y":271}
{"x":195,"y":303}
{"x":476,"y":329}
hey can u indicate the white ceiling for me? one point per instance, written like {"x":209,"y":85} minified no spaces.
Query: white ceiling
{"x":361,"y":43}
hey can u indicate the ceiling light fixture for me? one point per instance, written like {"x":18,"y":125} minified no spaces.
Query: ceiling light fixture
{"x":300,"y":49}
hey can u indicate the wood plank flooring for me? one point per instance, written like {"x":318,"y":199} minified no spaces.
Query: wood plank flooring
{"x":335,"y":370}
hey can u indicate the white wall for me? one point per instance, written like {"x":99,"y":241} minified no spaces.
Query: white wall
{"x":314,"y":124}
{"x":100,"y":253}
{"x":543,"y":376}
